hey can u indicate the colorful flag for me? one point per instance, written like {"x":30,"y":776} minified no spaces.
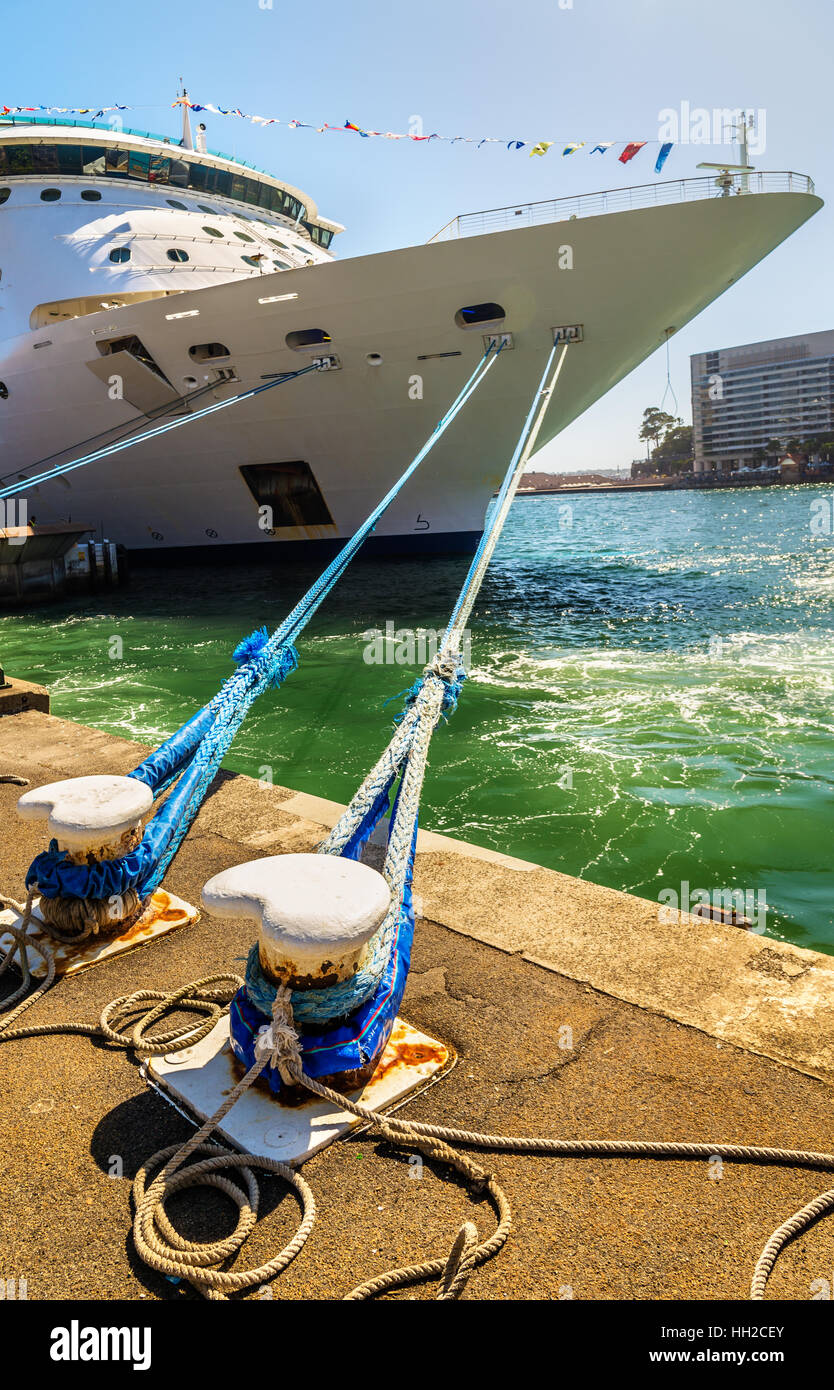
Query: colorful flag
{"x":631,"y":150}
{"x":665,"y":151}
{"x":540,"y":147}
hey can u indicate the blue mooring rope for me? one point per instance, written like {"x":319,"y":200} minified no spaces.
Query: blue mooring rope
{"x":119,"y":445}
{"x":194,"y":753}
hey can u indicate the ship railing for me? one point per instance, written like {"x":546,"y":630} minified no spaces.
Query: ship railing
{"x":116,"y":130}
{"x":644,"y":195}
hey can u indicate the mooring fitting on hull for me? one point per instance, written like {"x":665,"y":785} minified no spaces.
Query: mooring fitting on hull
{"x":316,"y":914}
{"x":92,"y":819}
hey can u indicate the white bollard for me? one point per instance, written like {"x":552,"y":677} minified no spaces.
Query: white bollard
{"x":92,"y":818}
{"x":316,"y":914}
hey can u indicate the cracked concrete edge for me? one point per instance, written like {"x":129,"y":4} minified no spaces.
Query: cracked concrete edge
{"x":763,"y":995}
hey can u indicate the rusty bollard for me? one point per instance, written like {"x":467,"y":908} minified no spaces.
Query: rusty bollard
{"x":92,"y":818}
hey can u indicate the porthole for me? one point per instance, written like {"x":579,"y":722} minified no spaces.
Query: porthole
{"x":307,"y":338}
{"x":253,"y":260}
{"x":172,"y":203}
{"x":480,"y":316}
{"x":202,"y":207}
{"x":282,"y":265}
{"x":282,"y":244}
{"x":50,"y":195}
{"x":4,"y":391}
{"x":4,"y":194}
{"x":207,"y":352}
{"x":175,"y":254}
{"x":244,"y":236}
{"x":212,"y":231}
{"x":120,"y":254}
{"x":91,"y":195}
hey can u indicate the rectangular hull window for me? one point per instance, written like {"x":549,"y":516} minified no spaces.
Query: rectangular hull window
{"x":290,"y":490}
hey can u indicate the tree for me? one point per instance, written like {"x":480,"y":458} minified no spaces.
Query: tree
{"x":656,"y":425}
{"x":676,"y":443}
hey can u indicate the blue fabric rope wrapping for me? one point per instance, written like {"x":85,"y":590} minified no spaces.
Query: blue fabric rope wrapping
{"x":344,"y":1046}
{"x":362,"y":1015}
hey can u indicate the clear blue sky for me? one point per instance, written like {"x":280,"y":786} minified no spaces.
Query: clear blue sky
{"x":596,"y":70}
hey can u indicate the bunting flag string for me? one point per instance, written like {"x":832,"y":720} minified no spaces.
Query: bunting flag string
{"x":631,"y":148}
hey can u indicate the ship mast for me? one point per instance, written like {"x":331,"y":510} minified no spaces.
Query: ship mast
{"x":744,"y":153}
{"x":186,"y":142}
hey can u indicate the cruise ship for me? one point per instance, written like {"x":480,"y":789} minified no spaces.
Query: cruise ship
{"x":142,"y":278}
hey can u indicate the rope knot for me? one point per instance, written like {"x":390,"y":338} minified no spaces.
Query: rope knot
{"x":450,"y":670}
{"x":446,"y":667}
{"x":257,"y":652}
{"x":278,"y":1041}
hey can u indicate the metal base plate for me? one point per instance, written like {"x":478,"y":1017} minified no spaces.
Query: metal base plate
{"x":201,"y":1077}
{"x":164,"y":913}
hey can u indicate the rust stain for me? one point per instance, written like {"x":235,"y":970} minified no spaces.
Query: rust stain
{"x":158,"y":917}
{"x":161,"y":909}
{"x":398,"y":1053}
{"x":288,"y":973}
{"x":405,"y":1054}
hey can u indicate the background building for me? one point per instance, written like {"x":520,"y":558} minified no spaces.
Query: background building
{"x":750,"y":402}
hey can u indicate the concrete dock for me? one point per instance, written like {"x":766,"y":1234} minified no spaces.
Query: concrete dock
{"x":573,"y":1011}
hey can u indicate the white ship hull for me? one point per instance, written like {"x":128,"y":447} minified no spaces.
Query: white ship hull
{"x":635,"y":274}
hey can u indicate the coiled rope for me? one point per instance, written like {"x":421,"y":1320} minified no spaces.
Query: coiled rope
{"x":125,"y":1021}
{"x":164,"y":1249}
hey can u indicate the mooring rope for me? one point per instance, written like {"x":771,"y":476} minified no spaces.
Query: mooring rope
{"x":119,"y":445}
{"x":210,"y":995}
{"x":196,"y":751}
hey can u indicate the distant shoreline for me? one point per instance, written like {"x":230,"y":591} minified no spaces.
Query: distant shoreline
{"x":668,"y":485}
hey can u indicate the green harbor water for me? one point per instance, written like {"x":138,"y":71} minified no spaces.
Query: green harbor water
{"x":650,"y":701}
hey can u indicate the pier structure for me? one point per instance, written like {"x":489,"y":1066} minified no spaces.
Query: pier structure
{"x":574,"y":1011}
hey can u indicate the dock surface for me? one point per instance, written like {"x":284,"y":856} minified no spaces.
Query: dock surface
{"x":574,"y":1013}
